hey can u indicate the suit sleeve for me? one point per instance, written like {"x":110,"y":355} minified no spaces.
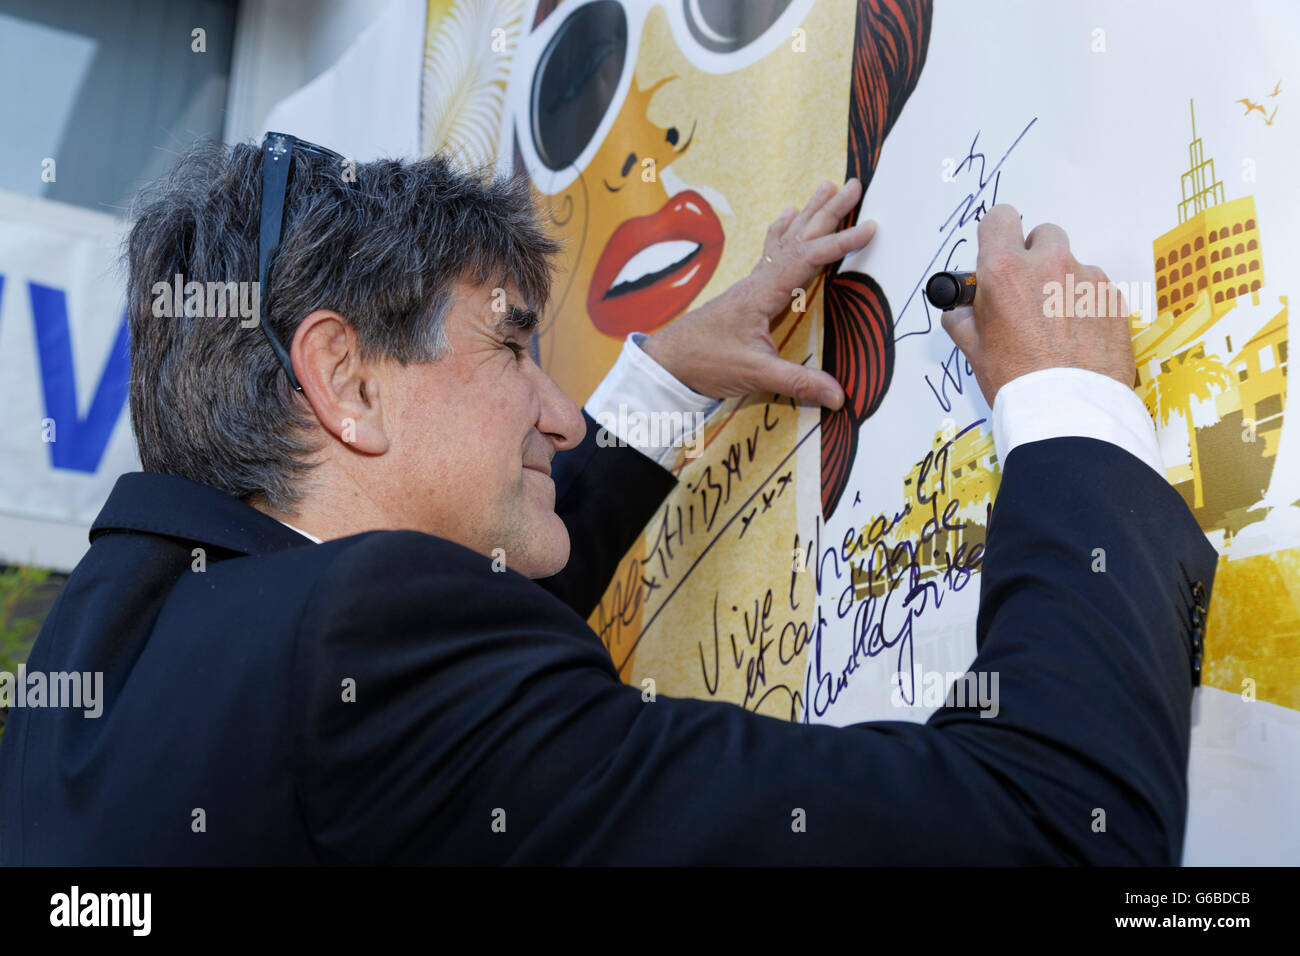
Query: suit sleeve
{"x":1093,"y":594}
{"x":605,"y":494}
{"x":488,"y":725}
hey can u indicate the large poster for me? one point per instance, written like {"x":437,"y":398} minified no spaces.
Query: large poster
{"x":662,"y":137}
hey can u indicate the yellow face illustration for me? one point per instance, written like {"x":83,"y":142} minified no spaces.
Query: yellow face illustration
{"x":663,"y":144}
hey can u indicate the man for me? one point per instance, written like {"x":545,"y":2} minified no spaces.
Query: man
{"x":400,"y":691}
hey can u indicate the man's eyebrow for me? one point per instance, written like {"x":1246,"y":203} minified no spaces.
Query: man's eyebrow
{"x":517,"y":320}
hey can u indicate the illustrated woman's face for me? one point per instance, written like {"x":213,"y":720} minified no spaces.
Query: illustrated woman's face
{"x":663,"y":138}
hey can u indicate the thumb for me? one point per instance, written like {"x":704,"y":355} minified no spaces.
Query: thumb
{"x":959,"y":323}
{"x":804,"y":384}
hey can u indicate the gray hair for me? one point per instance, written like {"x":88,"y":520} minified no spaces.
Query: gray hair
{"x":383,"y":248}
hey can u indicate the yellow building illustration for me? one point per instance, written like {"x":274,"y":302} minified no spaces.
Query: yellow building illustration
{"x":947,"y":497}
{"x":1212,"y":364}
{"x":1212,"y":370}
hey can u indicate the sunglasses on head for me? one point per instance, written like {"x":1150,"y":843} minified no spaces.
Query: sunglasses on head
{"x":277,"y":160}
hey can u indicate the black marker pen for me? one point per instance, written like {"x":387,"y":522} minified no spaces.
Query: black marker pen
{"x":947,"y":290}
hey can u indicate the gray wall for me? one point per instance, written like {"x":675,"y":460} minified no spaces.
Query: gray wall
{"x":112,"y":91}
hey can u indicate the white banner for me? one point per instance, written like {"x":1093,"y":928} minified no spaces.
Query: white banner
{"x":63,"y":376}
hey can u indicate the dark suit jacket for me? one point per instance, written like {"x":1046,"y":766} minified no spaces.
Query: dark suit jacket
{"x":482,"y":698}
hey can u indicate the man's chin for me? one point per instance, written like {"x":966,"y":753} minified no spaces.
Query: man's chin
{"x":550,"y":549}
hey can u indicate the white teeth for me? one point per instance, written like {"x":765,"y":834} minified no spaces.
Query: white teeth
{"x":654,"y":259}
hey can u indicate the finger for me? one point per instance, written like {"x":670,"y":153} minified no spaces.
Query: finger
{"x":1047,"y":235}
{"x":804,"y":384}
{"x":819,"y":198}
{"x":778,"y":228}
{"x":837,"y":245}
{"x":999,"y":235}
{"x":959,"y":323}
{"x":833,"y":213}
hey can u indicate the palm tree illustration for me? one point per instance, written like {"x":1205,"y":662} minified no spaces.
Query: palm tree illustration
{"x":1187,"y":377}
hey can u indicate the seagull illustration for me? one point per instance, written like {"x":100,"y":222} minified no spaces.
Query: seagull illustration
{"x":1252,"y":106}
{"x":1269,"y":121}
{"x":1276,"y":88}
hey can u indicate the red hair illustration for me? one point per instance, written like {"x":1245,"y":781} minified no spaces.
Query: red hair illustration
{"x":858,"y":341}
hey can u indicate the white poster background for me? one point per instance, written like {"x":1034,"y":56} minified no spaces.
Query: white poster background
{"x":1103,"y":159}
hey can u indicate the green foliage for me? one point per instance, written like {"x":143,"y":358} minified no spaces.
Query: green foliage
{"x":19,"y":588}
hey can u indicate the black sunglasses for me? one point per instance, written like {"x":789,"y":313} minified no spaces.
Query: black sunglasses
{"x":577,"y":74}
{"x":277,"y":159}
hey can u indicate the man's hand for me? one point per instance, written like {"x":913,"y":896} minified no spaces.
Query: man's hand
{"x":1015,"y":326}
{"x":725,"y":347}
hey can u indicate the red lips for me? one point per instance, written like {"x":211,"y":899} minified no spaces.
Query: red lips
{"x":664,"y":281}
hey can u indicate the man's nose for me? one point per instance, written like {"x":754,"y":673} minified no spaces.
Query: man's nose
{"x":561,"y":420}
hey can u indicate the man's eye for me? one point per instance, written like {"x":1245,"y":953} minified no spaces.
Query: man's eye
{"x":515,"y":347}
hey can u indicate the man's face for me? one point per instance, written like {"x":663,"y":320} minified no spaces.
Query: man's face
{"x":474,"y":433}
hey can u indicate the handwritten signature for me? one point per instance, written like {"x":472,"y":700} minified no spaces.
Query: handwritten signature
{"x":712,"y":495}
{"x":910,"y":588}
{"x":970,"y":208}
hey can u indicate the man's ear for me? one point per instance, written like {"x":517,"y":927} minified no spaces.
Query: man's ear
{"x":342,"y":389}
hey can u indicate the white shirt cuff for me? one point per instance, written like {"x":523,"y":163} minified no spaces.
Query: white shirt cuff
{"x":641,"y":404}
{"x":1073,"y":402}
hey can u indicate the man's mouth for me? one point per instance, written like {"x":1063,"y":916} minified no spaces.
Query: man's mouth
{"x":654,"y":266}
